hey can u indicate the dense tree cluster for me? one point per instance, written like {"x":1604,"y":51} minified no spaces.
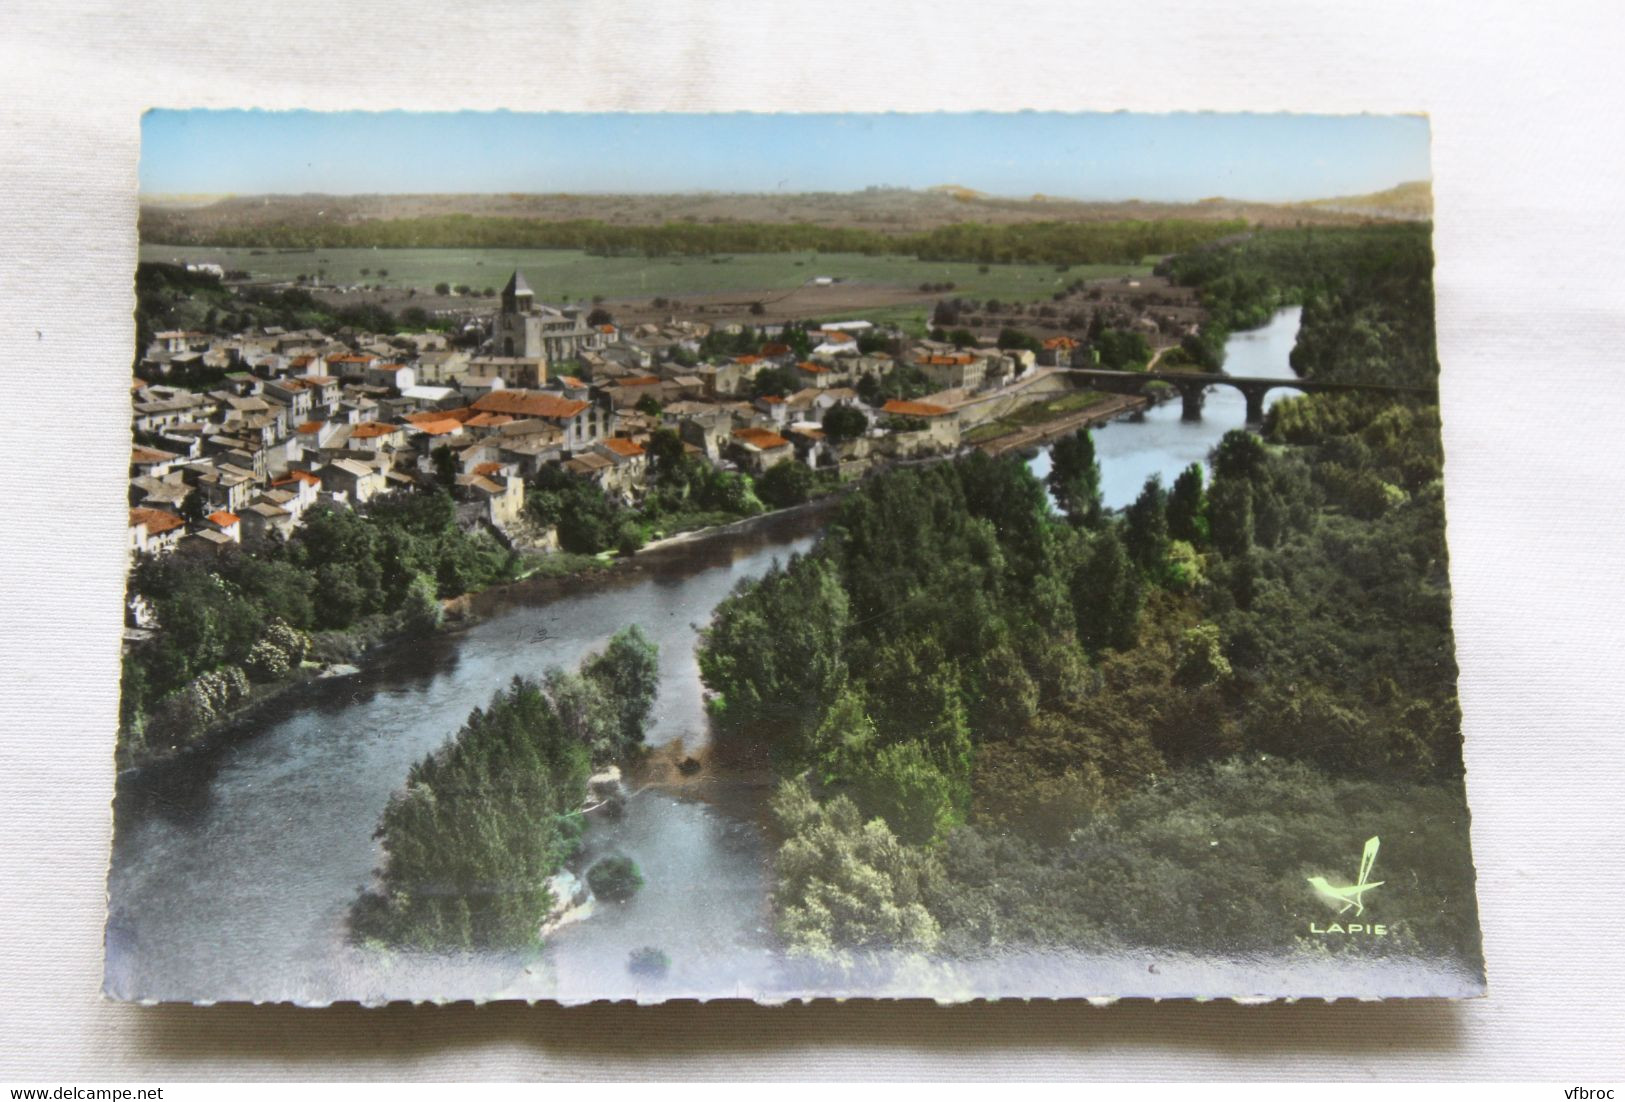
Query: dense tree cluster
{"x":1213,"y":860}
{"x":1367,"y":296}
{"x":905,"y":382}
{"x":787,"y":483}
{"x":369,"y":572}
{"x":844,"y":421}
{"x":683,"y":491}
{"x":953,"y":661}
{"x":1121,"y":350}
{"x":848,"y":883}
{"x":1000,"y":726}
{"x":775,"y":382}
{"x":485,"y":821}
{"x":586,"y":520}
{"x":1074,"y":478}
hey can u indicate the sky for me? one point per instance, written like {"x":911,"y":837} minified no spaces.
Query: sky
{"x":1174,"y":157}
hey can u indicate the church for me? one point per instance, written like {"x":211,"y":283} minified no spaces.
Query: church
{"x":526,"y":330}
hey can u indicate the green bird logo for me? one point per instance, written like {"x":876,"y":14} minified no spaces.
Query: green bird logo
{"x":1351,"y":896}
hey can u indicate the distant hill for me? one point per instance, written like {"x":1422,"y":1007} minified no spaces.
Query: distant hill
{"x":198,"y":200}
{"x":880,"y":210}
{"x":1411,"y":201}
{"x":954,"y":191}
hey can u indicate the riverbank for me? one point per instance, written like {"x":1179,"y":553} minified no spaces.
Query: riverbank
{"x":1109,"y":408}
{"x":469,"y":609}
{"x":346,"y":651}
{"x":372,"y":643}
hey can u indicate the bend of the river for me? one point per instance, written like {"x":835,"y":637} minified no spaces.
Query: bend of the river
{"x":1161,"y":442}
{"x":233,"y":872}
{"x":1132,"y":449}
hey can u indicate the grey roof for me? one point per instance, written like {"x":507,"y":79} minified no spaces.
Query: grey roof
{"x":517,"y":285}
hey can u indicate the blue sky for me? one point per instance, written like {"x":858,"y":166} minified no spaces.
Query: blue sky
{"x":1085,"y":156}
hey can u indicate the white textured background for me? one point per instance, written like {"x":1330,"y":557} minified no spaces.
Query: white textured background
{"x":1526,"y":107}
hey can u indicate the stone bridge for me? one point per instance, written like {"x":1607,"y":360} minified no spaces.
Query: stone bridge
{"x":1192,"y":386}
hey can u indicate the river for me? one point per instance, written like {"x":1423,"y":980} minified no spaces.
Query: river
{"x":1132,"y":449}
{"x":233,"y":871}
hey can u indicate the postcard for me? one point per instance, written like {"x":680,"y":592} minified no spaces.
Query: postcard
{"x":583,"y":557}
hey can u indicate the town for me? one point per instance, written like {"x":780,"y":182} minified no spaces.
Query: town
{"x":294,"y":419}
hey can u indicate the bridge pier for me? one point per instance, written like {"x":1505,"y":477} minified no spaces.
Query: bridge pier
{"x":1253,"y":388}
{"x":1190,"y":398}
{"x":1255,"y":404}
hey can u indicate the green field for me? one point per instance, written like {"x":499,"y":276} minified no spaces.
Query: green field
{"x":559,"y":275}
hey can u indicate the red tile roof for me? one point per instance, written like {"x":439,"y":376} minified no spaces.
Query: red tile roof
{"x":369,"y":429}
{"x":156,"y":520}
{"x":813,"y":369}
{"x":914,"y":409}
{"x":222,"y":518}
{"x":461,"y":413}
{"x":298,"y":476}
{"x":964,"y":358}
{"x":486,"y":469}
{"x":760,"y":438}
{"x":530,"y":403}
{"x":1060,"y":342}
{"x":438,"y":428}
{"x":775,"y":349}
{"x":622,"y":446}
{"x":310,"y":426}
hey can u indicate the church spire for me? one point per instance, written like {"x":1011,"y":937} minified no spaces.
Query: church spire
{"x":517,"y":290}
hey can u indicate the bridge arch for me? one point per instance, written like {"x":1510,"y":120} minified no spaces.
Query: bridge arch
{"x":1192,"y":385}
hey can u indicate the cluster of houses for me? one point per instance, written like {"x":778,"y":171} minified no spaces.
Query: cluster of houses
{"x":302,"y":418}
